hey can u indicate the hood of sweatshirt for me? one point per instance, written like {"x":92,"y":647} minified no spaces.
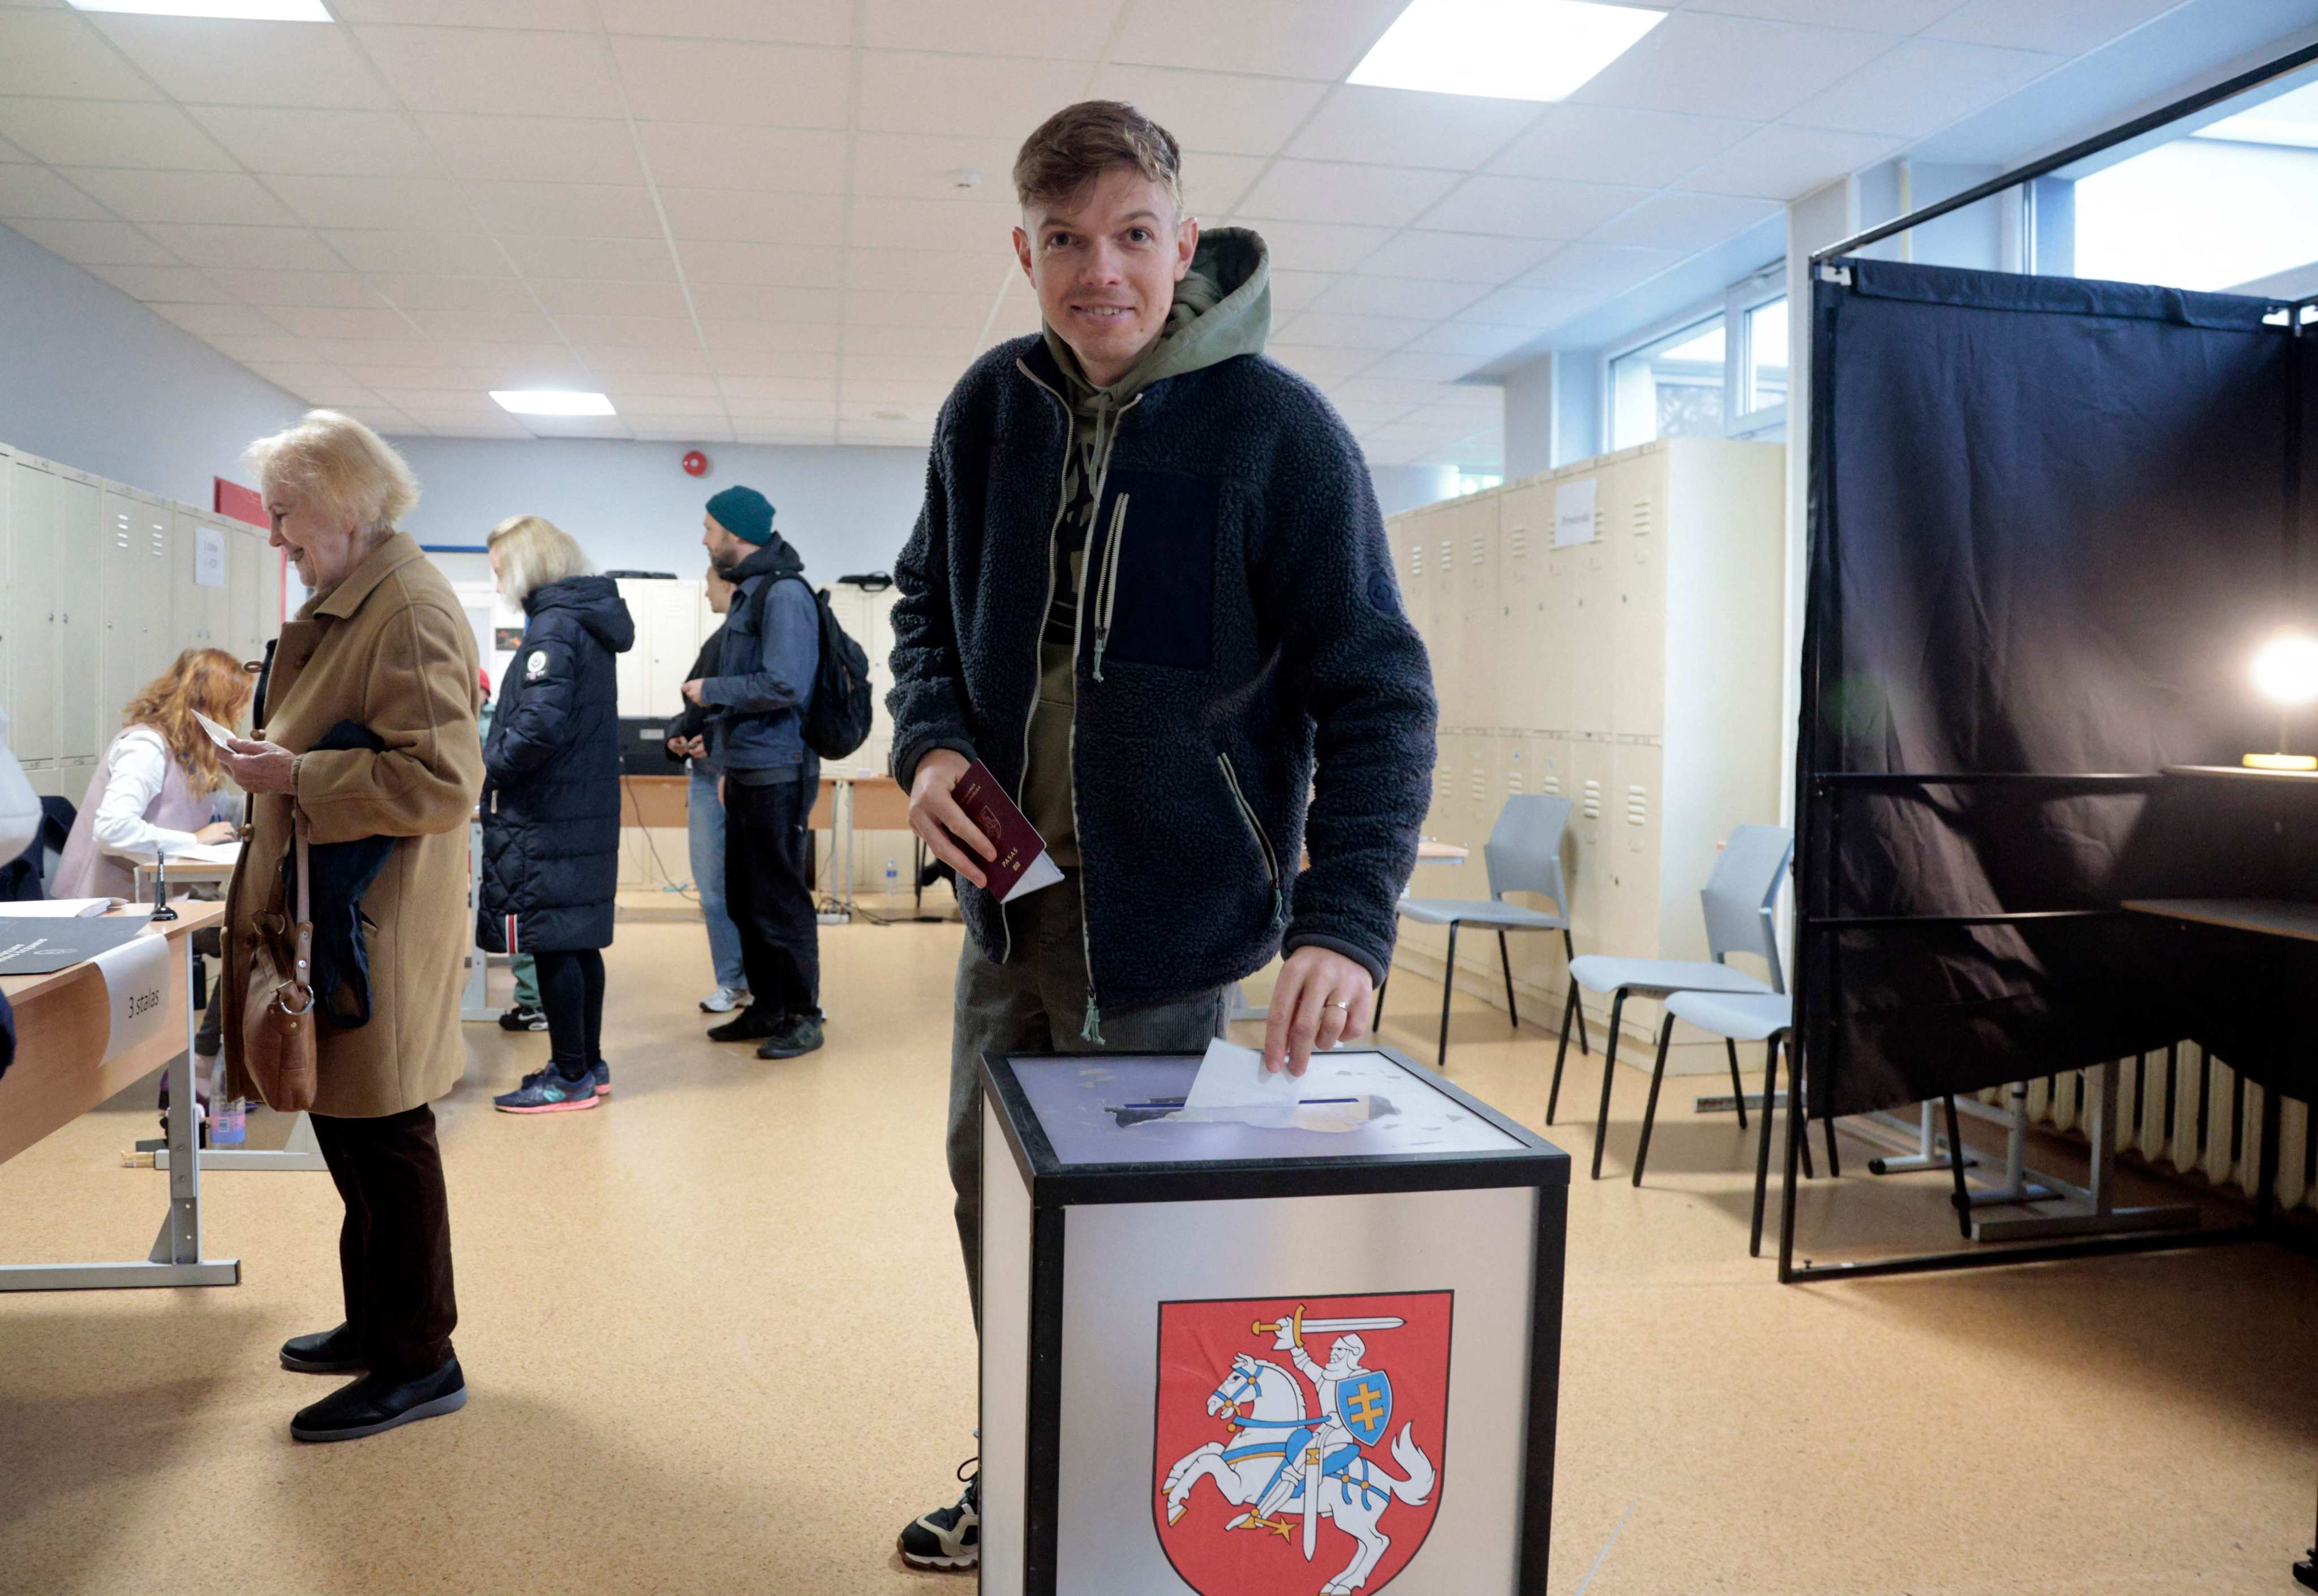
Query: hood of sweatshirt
{"x":594,"y":602}
{"x":774,"y":558}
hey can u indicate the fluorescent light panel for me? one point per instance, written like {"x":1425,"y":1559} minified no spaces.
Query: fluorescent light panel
{"x":247,"y":11}
{"x":551,"y":401}
{"x":1502,"y":49}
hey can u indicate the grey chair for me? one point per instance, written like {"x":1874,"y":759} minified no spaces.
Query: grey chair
{"x":1741,"y":895}
{"x":1522,"y":855}
{"x":1737,"y":1017}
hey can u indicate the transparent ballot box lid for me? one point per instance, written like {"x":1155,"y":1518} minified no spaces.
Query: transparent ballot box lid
{"x":1112,"y":1127}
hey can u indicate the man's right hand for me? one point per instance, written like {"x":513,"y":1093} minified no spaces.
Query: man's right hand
{"x":934,"y":815}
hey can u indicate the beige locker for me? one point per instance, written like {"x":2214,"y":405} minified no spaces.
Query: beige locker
{"x":1632,"y":832}
{"x":1591,"y":780}
{"x":271,"y":578}
{"x":85,"y":723}
{"x":197,"y":612}
{"x":34,"y":641}
{"x":1449,"y":651}
{"x":1412,"y":566}
{"x":1524,"y":534}
{"x":1636,"y":512}
{"x":135,"y":604}
{"x":243,"y":551}
{"x":1592,"y":625}
{"x":12,"y":620}
{"x":1484,"y":610}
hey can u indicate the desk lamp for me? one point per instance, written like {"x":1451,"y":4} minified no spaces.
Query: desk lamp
{"x":2286,"y":672}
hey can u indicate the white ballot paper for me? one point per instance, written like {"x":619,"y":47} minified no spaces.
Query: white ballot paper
{"x":136,"y":991}
{"x":220,"y":735}
{"x":1234,"y":1078}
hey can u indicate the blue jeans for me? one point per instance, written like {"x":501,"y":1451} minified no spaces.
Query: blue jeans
{"x":704,"y":819}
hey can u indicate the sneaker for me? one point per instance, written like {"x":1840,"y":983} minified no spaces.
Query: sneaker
{"x":523,"y":1016}
{"x":724,"y":999}
{"x":548,"y":1092}
{"x":330,"y":1353}
{"x":380,"y":1402}
{"x":948,"y":1538}
{"x":603,"y":1078}
{"x":794,"y":1038}
{"x":752,"y":1024}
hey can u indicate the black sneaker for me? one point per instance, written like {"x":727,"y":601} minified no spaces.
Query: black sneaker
{"x":380,"y":1402}
{"x":948,"y":1539}
{"x":752,"y":1024}
{"x":332,"y":1352}
{"x":794,"y":1038}
{"x":523,"y":1016}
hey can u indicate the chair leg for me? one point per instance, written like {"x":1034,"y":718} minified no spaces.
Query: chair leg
{"x":1376,"y":1019}
{"x":1506,"y":960}
{"x":1834,"y":1159}
{"x":1553,"y":1097}
{"x":1809,"y":1173}
{"x":1448,"y":990}
{"x":1569,"y":954}
{"x":1762,"y":1154}
{"x":1737,"y":1091}
{"x":1963,"y":1195}
{"x":1609,"y":1070}
{"x":1650,"y":1108}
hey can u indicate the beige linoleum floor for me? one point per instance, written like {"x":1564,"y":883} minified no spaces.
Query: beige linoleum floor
{"x":718,"y":1342}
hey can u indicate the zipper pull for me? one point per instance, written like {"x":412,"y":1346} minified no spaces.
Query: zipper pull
{"x":1093,"y":1030}
{"x":1101,"y":641}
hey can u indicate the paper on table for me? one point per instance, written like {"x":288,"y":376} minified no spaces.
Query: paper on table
{"x":200,"y":853}
{"x":56,"y":908}
{"x":1234,"y":1077}
{"x":136,"y":991}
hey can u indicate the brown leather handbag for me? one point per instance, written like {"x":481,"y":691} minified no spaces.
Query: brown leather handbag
{"x":278,"y":1021}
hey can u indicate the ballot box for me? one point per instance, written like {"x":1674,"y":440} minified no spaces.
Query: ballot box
{"x":1300,"y":1353}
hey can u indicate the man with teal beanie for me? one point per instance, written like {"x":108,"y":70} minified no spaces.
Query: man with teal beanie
{"x":756,"y":705}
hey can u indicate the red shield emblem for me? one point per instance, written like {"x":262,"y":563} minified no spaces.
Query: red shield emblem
{"x":1299,"y":1442}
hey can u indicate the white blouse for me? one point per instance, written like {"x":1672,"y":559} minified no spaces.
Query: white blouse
{"x":138,"y":761}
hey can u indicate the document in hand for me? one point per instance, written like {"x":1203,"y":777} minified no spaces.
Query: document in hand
{"x":219,"y":735}
{"x":1022,"y":866}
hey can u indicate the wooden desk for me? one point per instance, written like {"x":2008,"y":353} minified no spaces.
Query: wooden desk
{"x":61,"y":1026}
{"x":1429,"y":852}
{"x":880,"y":804}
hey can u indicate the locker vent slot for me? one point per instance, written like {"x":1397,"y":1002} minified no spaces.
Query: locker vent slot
{"x":1638,"y":806}
{"x":1593,"y":803}
{"x":1641,"y":517}
{"x":1514,"y":782}
{"x":1443,"y":784}
{"x":1517,"y":544}
{"x":1447,"y":554}
{"x":1416,"y":562}
{"x":1480,"y":787}
{"x":1481,"y":548}
{"x":1551,"y":786}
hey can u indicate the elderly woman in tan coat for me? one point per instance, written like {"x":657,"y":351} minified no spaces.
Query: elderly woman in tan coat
{"x":383,"y":644}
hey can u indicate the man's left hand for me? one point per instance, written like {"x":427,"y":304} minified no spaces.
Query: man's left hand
{"x":260,"y":767}
{"x":1322,"y":999}
{"x":692,"y":691}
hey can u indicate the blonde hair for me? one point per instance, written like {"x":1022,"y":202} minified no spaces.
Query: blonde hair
{"x":533,"y":551}
{"x":210,"y":680}
{"x":336,"y":463}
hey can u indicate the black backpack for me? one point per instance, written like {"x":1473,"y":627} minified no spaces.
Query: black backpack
{"x":837,"y":721}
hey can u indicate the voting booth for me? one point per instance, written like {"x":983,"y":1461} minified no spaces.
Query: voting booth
{"x":1297,"y":1349}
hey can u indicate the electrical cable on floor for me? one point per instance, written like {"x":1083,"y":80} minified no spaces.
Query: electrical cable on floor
{"x":688,"y":890}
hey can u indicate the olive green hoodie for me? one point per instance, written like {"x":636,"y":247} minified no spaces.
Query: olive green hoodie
{"x":1222,"y":308}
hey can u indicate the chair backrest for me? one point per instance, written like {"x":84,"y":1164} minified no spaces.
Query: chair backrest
{"x":1742,"y":894}
{"x":1524,"y":853}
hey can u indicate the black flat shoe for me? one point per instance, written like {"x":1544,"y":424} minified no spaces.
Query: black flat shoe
{"x":331,"y":1352}
{"x":751,"y":1025}
{"x":378,"y":1403}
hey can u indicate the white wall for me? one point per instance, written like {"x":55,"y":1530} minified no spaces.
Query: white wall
{"x":89,"y":378}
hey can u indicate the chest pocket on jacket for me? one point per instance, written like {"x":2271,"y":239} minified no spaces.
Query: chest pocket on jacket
{"x":1162,"y":596}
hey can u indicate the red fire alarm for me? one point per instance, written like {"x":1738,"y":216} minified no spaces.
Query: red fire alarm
{"x":696,"y":463}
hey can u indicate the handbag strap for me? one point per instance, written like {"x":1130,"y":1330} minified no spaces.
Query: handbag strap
{"x":304,"y":916}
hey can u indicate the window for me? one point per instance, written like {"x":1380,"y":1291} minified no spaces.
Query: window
{"x":1671,"y":388}
{"x":1765,"y":385}
{"x":1469,"y":482}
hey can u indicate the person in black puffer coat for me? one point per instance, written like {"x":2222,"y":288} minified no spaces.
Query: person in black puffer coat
{"x":552,"y":801}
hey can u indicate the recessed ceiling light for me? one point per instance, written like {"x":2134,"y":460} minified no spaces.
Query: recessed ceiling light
{"x":248,"y":10}
{"x":552,"y":401}
{"x":1502,"y":49}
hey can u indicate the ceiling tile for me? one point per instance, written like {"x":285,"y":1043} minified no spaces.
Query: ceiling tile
{"x":927,"y":370}
{"x":2066,"y":27}
{"x":422,"y":203}
{"x":1531,"y":207}
{"x":164,"y":285}
{"x":411,"y":379}
{"x":315,"y":323}
{"x":274,"y":351}
{"x":58,"y":53}
{"x":1421,"y":367}
{"x":9,"y":152}
{"x":1066,"y":30}
{"x":733,"y":216}
{"x":277,"y":248}
{"x":707,"y":155}
{"x":37,"y":192}
{"x":217,"y":321}
{"x":779,"y":265}
{"x":1521,"y":305}
{"x":429,"y":399}
{"x":920,"y":165}
{"x":786,"y":337}
{"x":536,"y":148}
{"x":577,"y":210}
{"x":1213,"y":111}
{"x":962,"y":312}
{"x":738,"y":301}
{"x":704,"y":429}
{"x":668,"y":410}
{"x":1216,"y":184}
{"x":578,"y":427}
{"x":622,"y":260}
{"x":1733,"y":66}
{"x":1610,"y":144}
{"x":792,"y":22}
{"x":110,"y":133}
{"x":210,"y":61}
{"x":572,"y":16}
{"x":630,"y":332}
{"x":1333,"y":191}
{"x":498,"y":71}
{"x":1456,"y":258}
{"x":797,"y":390}
{"x":298,"y":375}
{"x":1295,"y":291}
{"x":644,"y":360}
{"x":1361,"y":294}
{"x":588,"y":296}
{"x":918,"y":271}
{"x":1878,"y":16}
{"x":790,"y":86}
{"x":882,"y":222}
{"x":272,"y":289}
{"x":684,"y":390}
{"x":1352,"y":332}
{"x":517,"y":365}
{"x":226,"y":197}
{"x":413,"y":351}
{"x":462,"y":255}
{"x":985,"y":96}
{"x":1784,"y":163}
{"x":1321,"y":246}
{"x":1314,"y":39}
{"x":347,"y":143}
{"x":1475,"y":341}
{"x":421,"y":292}
{"x":1920,"y":86}
{"x":925,"y":343}
{"x":1321,"y":363}
{"x":1599,"y":268}
{"x":1686,"y":221}
{"x":1406,"y":128}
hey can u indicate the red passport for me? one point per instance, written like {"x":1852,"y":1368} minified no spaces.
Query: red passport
{"x":1022,"y":866}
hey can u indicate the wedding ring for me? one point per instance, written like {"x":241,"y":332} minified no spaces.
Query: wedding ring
{"x":1347,"y":1008}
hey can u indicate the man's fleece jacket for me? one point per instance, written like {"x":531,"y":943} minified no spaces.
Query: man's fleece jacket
{"x":1261,"y":691}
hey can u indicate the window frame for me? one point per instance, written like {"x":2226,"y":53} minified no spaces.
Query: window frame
{"x":1749,"y":294}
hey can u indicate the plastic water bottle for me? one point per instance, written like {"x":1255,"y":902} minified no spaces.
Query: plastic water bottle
{"x":229,"y":1120}
{"x":892,"y":879}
